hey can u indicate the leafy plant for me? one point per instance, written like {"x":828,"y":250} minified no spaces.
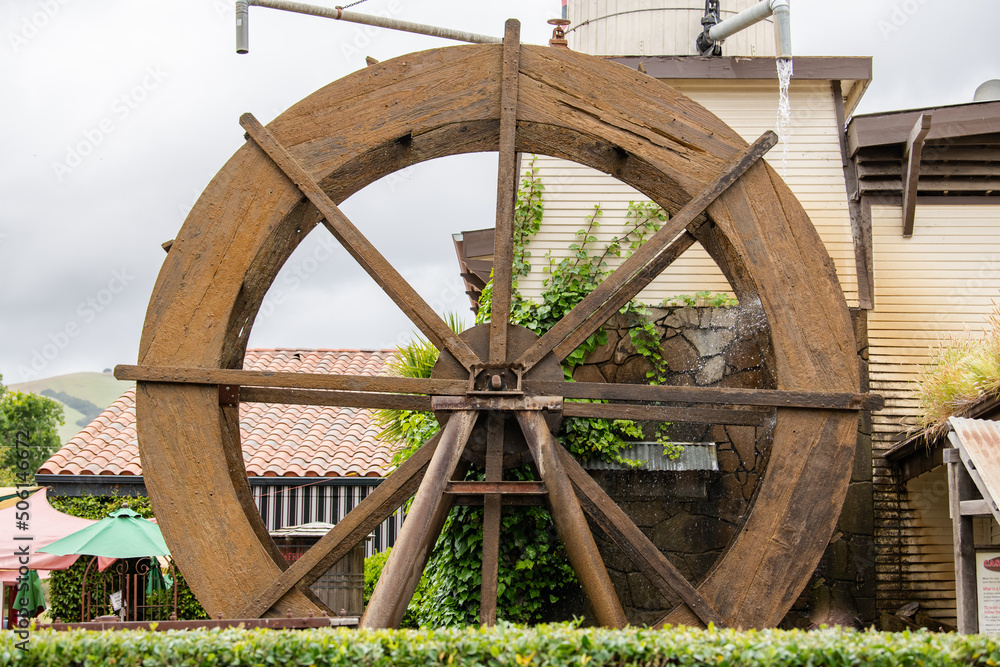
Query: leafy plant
{"x":28,"y":431}
{"x":962,"y":370}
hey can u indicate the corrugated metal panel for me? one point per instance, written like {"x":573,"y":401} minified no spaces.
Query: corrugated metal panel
{"x":281,"y":506}
{"x":814,"y":174}
{"x":695,"y":456}
{"x":980,"y":440}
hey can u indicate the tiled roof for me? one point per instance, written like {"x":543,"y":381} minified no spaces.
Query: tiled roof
{"x":278,"y":440}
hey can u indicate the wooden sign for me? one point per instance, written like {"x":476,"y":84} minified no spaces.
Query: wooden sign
{"x":988,"y":589}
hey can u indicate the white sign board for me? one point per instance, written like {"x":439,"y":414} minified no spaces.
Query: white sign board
{"x":116,"y":600}
{"x":988,"y":588}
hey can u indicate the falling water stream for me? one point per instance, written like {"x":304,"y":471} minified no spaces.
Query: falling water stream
{"x":784,"y":110}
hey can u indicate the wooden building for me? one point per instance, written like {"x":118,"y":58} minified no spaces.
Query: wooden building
{"x":304,"y":463}
{"x":906,"y":204}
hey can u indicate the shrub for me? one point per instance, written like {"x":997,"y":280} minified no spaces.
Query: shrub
{"x":502,"y":646}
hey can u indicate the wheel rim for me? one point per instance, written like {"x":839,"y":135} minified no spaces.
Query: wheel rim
{"x":444,"y":102}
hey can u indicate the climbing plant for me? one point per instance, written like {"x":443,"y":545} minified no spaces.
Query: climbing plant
{"x":534,"y":574}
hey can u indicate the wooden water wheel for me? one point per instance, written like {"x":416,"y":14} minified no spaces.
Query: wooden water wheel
{"x":288,"y":178}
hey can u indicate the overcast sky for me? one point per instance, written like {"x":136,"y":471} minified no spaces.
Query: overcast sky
{"x":114,"y":115}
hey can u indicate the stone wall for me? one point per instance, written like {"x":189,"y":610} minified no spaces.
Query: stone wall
{"x":692,"y":516}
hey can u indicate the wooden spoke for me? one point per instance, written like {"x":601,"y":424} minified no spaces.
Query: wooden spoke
{"x":503,"y":237}
{"x":242,"y":378}
{"x":491,"y":520}
{"x":628,"y":279}
{"x":359,"y":522}
{"x":774,"y":398}
{"x":628,"y":292}
{"x":666,"y":413}
{"x":570,"y":522}
{"x":361,"y":249}
{"x":647,"y":557}
{"x":403,"y":569}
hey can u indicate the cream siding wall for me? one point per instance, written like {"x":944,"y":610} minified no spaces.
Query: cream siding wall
{"x":658,"y":27}
{"x":940,"y":283}
{"x":928,"y":558}
{"x":814,"y":173}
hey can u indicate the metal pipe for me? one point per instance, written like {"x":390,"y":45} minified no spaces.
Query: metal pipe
{"x":748,"y":17}
{"x":242,"y":26}
{"x":354,"y":17}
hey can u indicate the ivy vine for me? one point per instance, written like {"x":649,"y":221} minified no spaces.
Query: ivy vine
{"x":534,"y":574}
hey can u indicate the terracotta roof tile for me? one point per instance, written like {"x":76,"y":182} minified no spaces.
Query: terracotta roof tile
{"x":278,"y":440}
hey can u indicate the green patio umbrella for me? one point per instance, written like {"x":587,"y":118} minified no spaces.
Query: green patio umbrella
{"x":156,"y":580}
{"x":123,"y":534}
{"x":30,"y":600}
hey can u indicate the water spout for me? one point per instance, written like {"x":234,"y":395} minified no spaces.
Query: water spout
{"x":784,"y":110}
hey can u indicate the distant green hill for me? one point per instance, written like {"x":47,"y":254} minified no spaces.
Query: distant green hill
{"x":83,"y":395}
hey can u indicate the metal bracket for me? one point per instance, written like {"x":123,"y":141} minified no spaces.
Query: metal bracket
{"x":229,"y":395}
{"x":498,"y":382}
{"x":497,"y":401}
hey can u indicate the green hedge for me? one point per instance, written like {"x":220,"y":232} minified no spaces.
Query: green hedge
{"x":503,"y":646}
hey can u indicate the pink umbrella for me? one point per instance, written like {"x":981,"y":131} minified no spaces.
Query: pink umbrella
{"x":23,"y":531}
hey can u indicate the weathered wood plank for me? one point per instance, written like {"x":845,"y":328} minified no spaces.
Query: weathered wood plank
{"x":375,"y":508}
{"x":811,"y":400}
{"x":864,"y":268}
{"x":246,"y":379}
{"x":911,"y":169}
{"x":492,"y":508}
{"x":342,"y":399}
{"x":403,"y":569}
{"x":959,"y":489}
{"x":665,"y":413}
{"x":361,"y":249}
{"x":570,"y":522}
{"x":503,"y":237}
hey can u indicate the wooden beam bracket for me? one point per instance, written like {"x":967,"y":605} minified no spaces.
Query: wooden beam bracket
{"x":911,"y":170}
{"x":229,"y":394}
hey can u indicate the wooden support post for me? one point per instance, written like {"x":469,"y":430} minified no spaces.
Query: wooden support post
{"x":361,"y":249}
{"x":405,"y":565}
{"x":359,"y":522}
{"x":571,"y":524}
{"x":860,"y":226}
{"x":503,"y":236}
{"x":959,"y":489}
{"x":641,"y":551}
{"x":911,"y":170}
{"x":492,"y":510}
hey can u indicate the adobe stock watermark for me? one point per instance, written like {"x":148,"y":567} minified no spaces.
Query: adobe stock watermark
{"x":22,"y":532}
{"x":35,"y":22}
{"x":120,"y":110}
{"x":900,"y":15}
{"x":296,"y":275}
{"x":86,"y":312}
{"x":364,"y":34}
